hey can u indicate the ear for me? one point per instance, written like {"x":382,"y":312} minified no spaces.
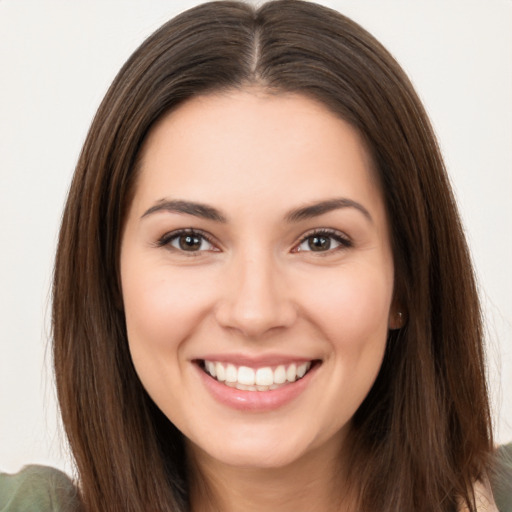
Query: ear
{"x":397,"y":316}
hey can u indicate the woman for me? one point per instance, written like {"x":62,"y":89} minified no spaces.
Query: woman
{"x":275,"y":305}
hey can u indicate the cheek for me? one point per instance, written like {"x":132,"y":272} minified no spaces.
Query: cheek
{"x":161,"y":309}
{"x":353,"y":308}
{"x":351,"y":314}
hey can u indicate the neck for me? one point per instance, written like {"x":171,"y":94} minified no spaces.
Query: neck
{"x":313,"y":483}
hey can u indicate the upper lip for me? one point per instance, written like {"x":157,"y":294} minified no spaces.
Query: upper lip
{"x":256,"y":361}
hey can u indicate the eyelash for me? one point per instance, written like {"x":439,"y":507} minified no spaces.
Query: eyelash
{"x":331,"y":234}
{"x":165,"y":241}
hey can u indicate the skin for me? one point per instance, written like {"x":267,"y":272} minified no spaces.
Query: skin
{"x":257,"y":288}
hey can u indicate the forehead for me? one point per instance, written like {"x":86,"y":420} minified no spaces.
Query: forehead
{"x":255,"y":146}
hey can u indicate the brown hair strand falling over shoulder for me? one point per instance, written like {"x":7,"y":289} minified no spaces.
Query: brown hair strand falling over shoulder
{"x":423,"y":435}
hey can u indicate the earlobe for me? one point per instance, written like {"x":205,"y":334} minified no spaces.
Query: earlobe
{"x":396,"y":319}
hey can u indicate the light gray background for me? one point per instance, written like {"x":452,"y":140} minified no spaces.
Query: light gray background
{"x":57,"y":59}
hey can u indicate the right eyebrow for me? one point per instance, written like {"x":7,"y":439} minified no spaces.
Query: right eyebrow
{"x":187,"y":207}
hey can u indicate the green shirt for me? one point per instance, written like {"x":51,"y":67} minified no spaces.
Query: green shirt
{"x":501,"y":478}
{"x":44,"y":489}
{"x":38,"y":489}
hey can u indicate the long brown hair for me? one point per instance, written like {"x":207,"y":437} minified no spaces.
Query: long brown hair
{"x":422,"y":436}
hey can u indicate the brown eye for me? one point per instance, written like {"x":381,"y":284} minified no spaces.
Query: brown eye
{"x":190,"y":242}
{"x":319,"y":243}
{"x":187,"y":241}
{"x":323,"y":241}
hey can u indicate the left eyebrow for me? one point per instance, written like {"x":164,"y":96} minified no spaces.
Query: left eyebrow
{"x":322,"y":207}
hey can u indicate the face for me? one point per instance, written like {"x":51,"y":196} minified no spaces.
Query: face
{"x":257,"y":276}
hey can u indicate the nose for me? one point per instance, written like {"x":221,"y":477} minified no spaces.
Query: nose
{"x":256,"y":298}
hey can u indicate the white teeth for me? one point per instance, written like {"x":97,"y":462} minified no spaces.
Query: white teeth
{"x":280,"y":375}
{"x":264,"y":376}
{"x":231,"y":373}
{"x":220,"y":372}
{"x":291,"y":373}
{"x":211,"y":368}
{"x":301,"y":370}
{"x":261,"y":379}
{"x":245,"y":376}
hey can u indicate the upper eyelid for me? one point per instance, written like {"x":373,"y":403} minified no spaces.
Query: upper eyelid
{"x":325,"y":231}
{"x":167,"y":237}
{"x":341,"y":238}
{"x":170,"y":235}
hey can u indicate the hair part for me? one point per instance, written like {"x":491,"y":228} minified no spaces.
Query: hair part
{"x":423,"y":434}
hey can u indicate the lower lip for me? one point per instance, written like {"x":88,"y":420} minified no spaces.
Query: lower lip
{"x":257,"y":401}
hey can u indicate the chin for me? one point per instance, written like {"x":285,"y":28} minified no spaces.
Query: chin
{"x":253,"y":457}
{"x":267,"y":448}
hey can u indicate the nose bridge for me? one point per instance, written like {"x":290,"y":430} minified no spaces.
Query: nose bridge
{"x":256,"y":299}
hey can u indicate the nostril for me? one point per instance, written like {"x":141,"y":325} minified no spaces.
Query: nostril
{"x":255,"y":299}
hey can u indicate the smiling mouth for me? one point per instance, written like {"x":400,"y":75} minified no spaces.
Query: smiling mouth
{"x":266,"y":378}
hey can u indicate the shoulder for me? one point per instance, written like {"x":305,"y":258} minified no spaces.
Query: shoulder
{"x":38,"y":489}
{"x":501,"y":478}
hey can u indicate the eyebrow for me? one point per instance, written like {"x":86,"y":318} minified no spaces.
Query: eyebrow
{"x":210,"y":213}
{"x":322,"y":207}
{"x":187,"y":207}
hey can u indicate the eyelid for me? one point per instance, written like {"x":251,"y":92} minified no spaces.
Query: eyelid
{"x":342,"y":238}
{"x":167,"y":238}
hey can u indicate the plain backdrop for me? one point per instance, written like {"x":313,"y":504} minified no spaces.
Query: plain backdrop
{"x":57,"y":59}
